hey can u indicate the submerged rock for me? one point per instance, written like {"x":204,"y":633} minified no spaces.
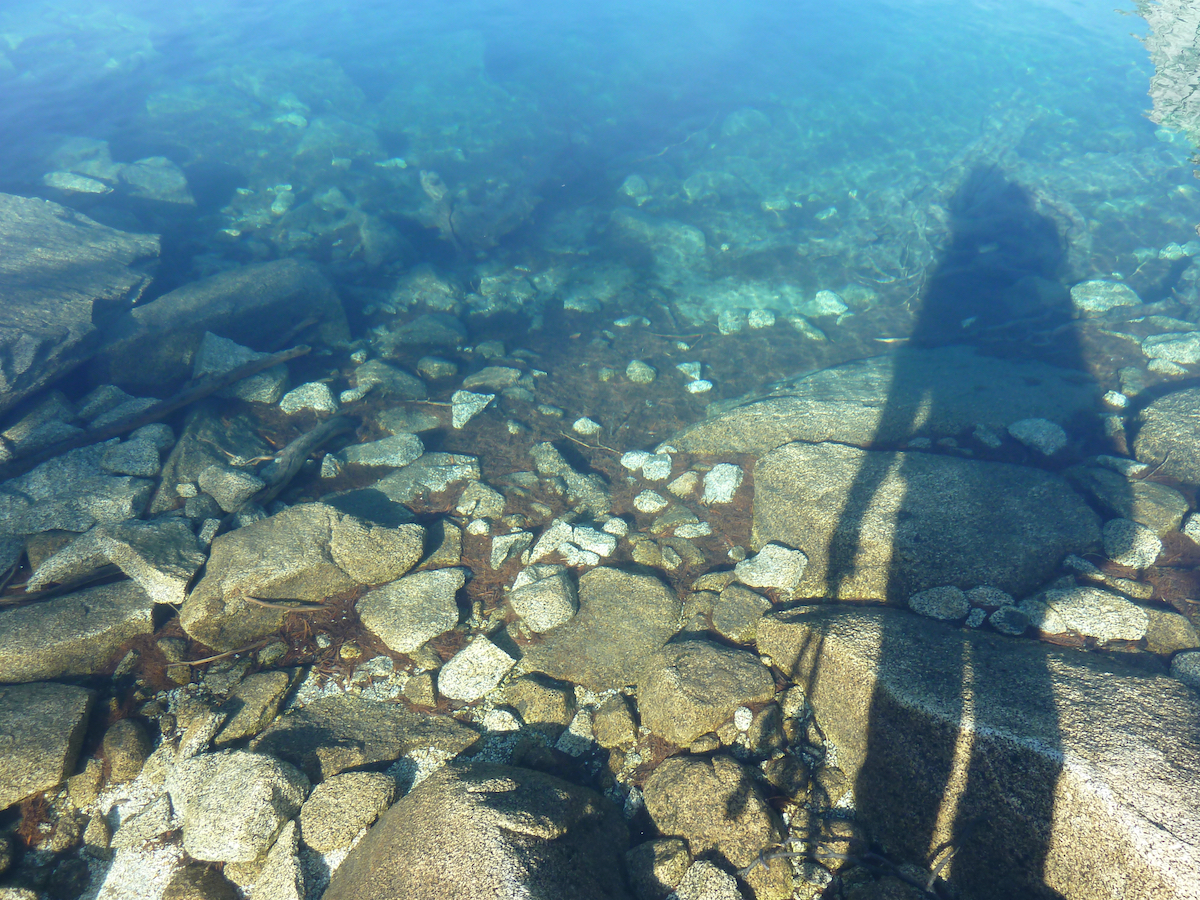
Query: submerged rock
{"x":887,"y":400}
{"x":1078,"y":761}
{"x":485,"y":830}
{"x":1168,"y":436}
{"x":43,"y":727}
{"x":879,"y":525}
{"x":154,"y":345}
{"x":59,"y":272}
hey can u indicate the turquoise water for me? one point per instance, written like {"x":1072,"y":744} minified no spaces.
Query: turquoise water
{"x":812,"y":144}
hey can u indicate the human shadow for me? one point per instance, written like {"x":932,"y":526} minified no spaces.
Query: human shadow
{"x":996,"y":285}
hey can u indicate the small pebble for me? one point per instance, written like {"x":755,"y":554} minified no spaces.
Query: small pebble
{"x":721,"y":483}
{"x":314,"y":396}
{"x":760,"y":318}
{"x":691,"y":370}
{"x":634,"y":459}
{"x":586,"y":426}
{"x":699,"y":386}
{"x":1116,"y":399}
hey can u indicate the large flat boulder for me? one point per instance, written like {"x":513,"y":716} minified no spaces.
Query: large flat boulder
{"x":886,"y":400}
{"x":254,"y":306}
{"x":1168,"y":435}
{"x":493,"y":831}
{"x":1054,"y":772}
{"x":623,"y":620}
{"x":41,"y":731}
{"x":73,"y":635}
{"x":885,"y":525}
{"x":59,"y":271}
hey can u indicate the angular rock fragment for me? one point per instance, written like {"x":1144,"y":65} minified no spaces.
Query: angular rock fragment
{"x":41,"y":731}
{"x":406,"y":613}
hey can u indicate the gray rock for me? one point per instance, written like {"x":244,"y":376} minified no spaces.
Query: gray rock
{"x":162,"y":556}
{"x":1095,"y":297}
{"x":338,"y":809}
{"x":506,"y":546}
{"x":656,"y":867}
{"x":1088,"y":612}
{"x":494,"y":378}
{"x":1010,"y":620}
{"x":253,"y":704}
{"x":71,"y":492}
{"x":845,"y":403}
{"x":377,"y":377}
{"x":284,"y":875}
{"x":434,"y":329}
{"x":375,"y":554}
{"x":1168,"y":435}
{"x":197,"y":881}
{"x":1129,"y":544}
{"x":343,"y":732}
{"x":73,"y":635}
{"x":721,"y":483}
{"x":1158,"y":507}
{"x":736,"y":613}
{"x":239,"y":810}
{"x":127,"y":410}
{"x":589,"y":493}
{"x":623,"y":620}
{"x":1183,"y":349}
{"x":395,"y":451}
{"x":478,"y":501}
{"x":218,"y":355}
{"x":132,"y":457}
{"x":125,"y":747}
{"x":474,"y":671}
{"x":432,"y":473}
{"x":407,"y":421}
{"x":1042,"y":435}
{"x":704,"y":881}
{"x":41,"y":731}
{"x":155,"y":344}
{"x":716,"y":806}
{"x":157,"y":178}
{"x":489,"y":831}
{"x":314,"y":396}
{"x":946,"y":603}
{"x":689,"y":688}
{"x":465,"y":405}
{"x":408,"y":612}
{"x":59,"y":270}
{"x":1079,"y":761}
{"x":922,"y":521}
{"x":435,"y":367}
{"x":774,"y":566}
{"x":679,"y":251}
{"x":283,"y":557}
{"x":1186,"y":668}
{"x":544,"y":596}
{"x":149,"y":823}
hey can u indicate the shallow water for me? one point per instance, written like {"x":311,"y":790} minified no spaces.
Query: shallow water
{"x":936,"y":251}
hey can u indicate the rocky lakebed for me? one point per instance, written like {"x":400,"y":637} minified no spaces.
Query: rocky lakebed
{"x":448,"y":612}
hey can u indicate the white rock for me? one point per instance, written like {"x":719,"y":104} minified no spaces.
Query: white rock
{"x":640,"y":372}
{"x":721,"y":483}
{"x":313,"y":396}
{"x":691,"y":370}
{"x":1041,"y":435}
{"x":598,"y":542}
{"x":649,"y":502}
{"x":657,"y":467}
{"x":1191,"y":527}
{"x":474,"y":671}
{"x":480,"y":500}
{"x":479,"y":527}
{"x":395,"y":451}
{"x":586,"y":426}
{"x":694,"y":530}
{"x":699,"y":386}
{"x":685,"y":484}
{"x":617,"y":527}
{"x":760,"y":318}
{"x":634,"y":459}
{"x":825,"y":303}
{"x":1128,"y":543}
{"x":559,"y":532}
{"x":406,"y":613}
{"x":577,"y":557}
{"x":1116,"y":399}
{"x":731,"y":321}
{"x":465,"y":405}
{"x":774,"y":566}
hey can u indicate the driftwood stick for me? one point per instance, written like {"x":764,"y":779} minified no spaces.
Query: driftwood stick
{"x":288,"y":461}
{"x":187,"y":395}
